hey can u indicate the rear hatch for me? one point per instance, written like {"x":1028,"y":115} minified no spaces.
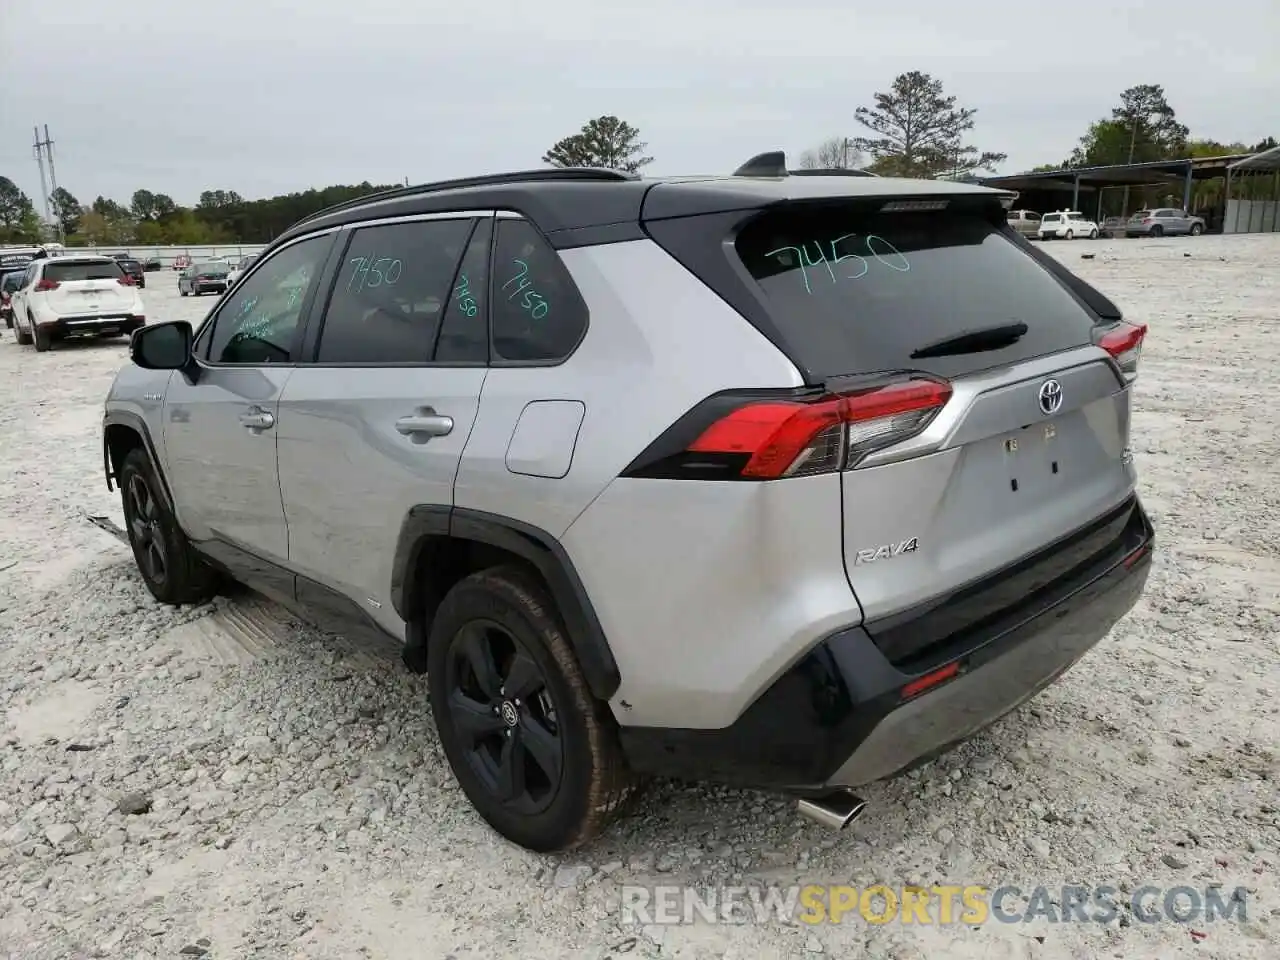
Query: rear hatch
{"x":87,"y":287}
{"x":975,"y":406}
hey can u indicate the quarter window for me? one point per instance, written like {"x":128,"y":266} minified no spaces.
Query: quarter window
{"x":537,"y":312}
{"x":258,"y":322}
{"x":391,"y":293}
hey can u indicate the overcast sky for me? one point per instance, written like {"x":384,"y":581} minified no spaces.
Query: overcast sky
{"x":272,"y":96}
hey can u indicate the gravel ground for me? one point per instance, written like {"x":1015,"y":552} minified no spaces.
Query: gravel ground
{"x":222,"y":780}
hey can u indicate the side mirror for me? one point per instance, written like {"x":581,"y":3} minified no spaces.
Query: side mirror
{"x":162,"y":346}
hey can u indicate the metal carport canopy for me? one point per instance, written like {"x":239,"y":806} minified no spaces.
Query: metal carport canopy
{"x":1268,"y":160}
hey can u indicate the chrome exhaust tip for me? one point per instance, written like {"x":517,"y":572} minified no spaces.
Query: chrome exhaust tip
{"x":835,"y":810}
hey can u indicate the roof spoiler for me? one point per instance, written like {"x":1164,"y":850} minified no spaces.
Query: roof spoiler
{"x":774,"y":164}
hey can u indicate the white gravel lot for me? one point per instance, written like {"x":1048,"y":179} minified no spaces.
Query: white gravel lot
{"x":299,"y":804}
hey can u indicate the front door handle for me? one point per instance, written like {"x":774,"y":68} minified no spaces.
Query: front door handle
{"x":257,"y":419}
{"x":424,"y":424}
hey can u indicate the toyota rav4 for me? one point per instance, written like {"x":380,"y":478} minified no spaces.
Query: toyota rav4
{"x":788,"y":482}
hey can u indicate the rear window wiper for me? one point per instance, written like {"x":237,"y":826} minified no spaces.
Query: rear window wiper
{"x":974,"y":341}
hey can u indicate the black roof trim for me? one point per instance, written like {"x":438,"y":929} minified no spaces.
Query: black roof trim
{"x":560,"y":174}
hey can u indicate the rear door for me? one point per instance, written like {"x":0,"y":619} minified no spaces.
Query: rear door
{"x":1030,"y":419}
{"x":375,"y":421}
{"x":87,"y":288}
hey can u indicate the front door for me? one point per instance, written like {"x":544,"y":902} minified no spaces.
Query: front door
{"x":376,"y":423}
{"x":220,"y":428}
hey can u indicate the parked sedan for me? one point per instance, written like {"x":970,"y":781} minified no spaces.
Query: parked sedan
{"x":1166,"y":221}
{"x":132,"y":269}
{"x":201,"y":278}
{"x":244,"y":264}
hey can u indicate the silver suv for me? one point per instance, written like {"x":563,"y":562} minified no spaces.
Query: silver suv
{"x":789,"y":482}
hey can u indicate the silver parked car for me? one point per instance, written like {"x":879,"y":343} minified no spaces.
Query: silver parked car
{"x":651,"y":478}
{"x":1026,"y":222}
{"x":209,"y":276}
{"x":1162,"y":222}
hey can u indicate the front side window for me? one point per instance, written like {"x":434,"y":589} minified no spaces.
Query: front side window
{"x":392,"y":291}
{"x":537,"y":312}
{"x":257,"y":323}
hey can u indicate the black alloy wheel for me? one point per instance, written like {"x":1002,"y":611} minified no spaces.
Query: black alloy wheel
{"x":504,"y":716}
{"x":145,"y":531}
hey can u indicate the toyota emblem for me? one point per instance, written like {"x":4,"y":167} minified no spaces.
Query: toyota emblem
{"x":1050,"y":397}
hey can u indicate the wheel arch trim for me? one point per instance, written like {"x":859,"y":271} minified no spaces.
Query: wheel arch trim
{"x":533,"y":544}
{"x":134,"y":422}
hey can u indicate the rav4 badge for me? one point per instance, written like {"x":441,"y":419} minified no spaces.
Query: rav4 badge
{"x":887,"y":551}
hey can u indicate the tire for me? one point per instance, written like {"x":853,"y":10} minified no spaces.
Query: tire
{"x":1093,"y":234}
{"x":42,"y":338}
{"x":24,"y":339}
{"x":503,"y":619}
{"x":1196,"y":229}
{"x":180,"y":576}
{"x":181,"y":292}
{"x":1157,"y":231}
{"x":1070,"y":235}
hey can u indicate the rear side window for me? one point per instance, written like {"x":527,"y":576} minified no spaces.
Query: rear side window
{"x":68,"y":272}
{"x":464,"y":333}
{"x":536,"y":312}
{"x":391,"y":292}
{"x":854,"y":290}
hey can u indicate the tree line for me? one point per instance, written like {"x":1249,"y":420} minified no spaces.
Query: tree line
{"x":913,"y":129}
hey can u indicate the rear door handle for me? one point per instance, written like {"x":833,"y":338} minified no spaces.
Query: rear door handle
{"x":257,"y":419}
{"x":424,"y":424}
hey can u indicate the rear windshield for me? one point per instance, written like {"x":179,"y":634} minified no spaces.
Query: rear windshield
{"x":211,"y":268}
{"x":11,"y":280}
{"x":83,"y":270}
{"x":1141,"y":215}
{"x":129,"y":264}
{"x":855,"y":290}
{"x":1051,"y":218}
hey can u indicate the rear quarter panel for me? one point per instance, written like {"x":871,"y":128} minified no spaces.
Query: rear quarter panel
{"x":658,"y":342}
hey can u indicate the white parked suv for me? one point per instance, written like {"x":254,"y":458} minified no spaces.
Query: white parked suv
{"x":73,"y":296}
{"x":1067,"y":225}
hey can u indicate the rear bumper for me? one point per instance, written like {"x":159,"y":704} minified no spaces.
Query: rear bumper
{"x":92,"y":324}
{"x":209,"y":287}
{"x":839,"y":718}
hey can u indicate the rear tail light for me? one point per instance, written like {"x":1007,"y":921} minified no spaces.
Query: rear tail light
{"x":45,"y":285}
{"x":125,"y":281}
{"x":768,"y":439}
{"x":1124,"y":343}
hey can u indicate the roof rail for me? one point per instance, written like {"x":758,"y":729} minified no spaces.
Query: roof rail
{"x":490,"y":179}
{"x":774,"y":164}
{"x":833,"y":172}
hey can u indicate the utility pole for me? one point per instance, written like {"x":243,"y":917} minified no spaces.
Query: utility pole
{"x":1133,"y":142}
{"x":37,"y":151}
{"x":44,"y":151}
